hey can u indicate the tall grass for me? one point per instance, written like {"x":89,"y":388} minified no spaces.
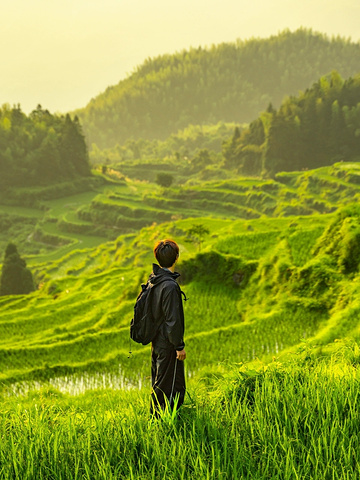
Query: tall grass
{"x":293,"y":420}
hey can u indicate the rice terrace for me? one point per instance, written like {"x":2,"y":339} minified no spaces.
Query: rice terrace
{"x":266,"y":212}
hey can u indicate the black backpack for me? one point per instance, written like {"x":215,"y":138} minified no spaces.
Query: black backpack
{"x":143,"y":326}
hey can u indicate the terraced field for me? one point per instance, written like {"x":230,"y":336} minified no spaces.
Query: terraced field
{"x":261,"y":284}
{"x":54,"y":227}
{"x":77,"y":324}
{"x":272,"y":333}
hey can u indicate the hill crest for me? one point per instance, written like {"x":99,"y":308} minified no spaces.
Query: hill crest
{"x":227,"y":82}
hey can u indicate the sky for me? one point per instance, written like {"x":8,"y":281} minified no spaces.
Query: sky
{"x":62,"y":53}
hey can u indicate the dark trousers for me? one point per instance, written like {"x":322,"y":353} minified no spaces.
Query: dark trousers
{"x":168,"y":380}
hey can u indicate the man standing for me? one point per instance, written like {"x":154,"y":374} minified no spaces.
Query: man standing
{"x":167,"y":349}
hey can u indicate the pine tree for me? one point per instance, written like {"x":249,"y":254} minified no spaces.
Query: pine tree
{"x":72,"y":148}
{"x":229,"y":149}
{"x":16,"y":279}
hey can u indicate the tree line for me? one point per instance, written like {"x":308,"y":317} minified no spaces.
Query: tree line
{"x":184,"y":144}
{"x":40,"y":148}
{"x":317,"y":128}
{"x":230,"y":82}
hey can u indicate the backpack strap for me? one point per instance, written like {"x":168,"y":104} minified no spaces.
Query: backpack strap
{"x":183,"y":294}
{"x":149,"y":284}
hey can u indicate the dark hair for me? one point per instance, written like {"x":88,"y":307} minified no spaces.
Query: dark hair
{"x":166,"y":252}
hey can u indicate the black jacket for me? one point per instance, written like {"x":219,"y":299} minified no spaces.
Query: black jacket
{"x":167,"y":306}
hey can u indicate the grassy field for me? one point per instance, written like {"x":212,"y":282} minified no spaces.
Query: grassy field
{"x":272,"y":325}
{"x":123,"y":205}
{"x":243,"y":289}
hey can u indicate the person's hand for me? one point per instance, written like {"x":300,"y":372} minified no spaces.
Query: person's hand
{"x":181,"y":354}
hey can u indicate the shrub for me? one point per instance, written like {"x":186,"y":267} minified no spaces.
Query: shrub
{"x":341,"y":240}
{"x":16,"y":279}
{"x":164,"y":179}
{"x":315,"y":278}
{"x":215,"y":267}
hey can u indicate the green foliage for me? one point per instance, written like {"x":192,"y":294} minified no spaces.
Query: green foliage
{"x":228,"y":82}
{"x":197,"y":234}
{"x":316,"y":128}
{"x":217,"y":268}
{"x":301,"y":244}
{"x":250,"y":245}
{"x":315,"y":278}
{"x":176,"y":152}
{"x":16,"y":279}
{"x":164,"y":179}
{"x":341,"y":240}
{"x":299,"y":418}
{"x":40,"y":149}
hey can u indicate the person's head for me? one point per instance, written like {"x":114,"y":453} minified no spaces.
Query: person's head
{"x":166,"y":252}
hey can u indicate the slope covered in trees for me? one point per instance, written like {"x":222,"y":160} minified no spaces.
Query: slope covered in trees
{"x":40,"y":148}
{"x":317,"y":128}
{"x":184,"y":144}
{"x":228,"y":82}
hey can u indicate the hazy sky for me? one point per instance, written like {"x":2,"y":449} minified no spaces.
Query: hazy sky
{"x":61,"y":53}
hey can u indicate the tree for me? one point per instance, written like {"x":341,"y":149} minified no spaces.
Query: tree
{"x":201,"y":160}
{"x":16,"y":279}
{"x":40,"y":148}
{"x":46,"y":161}
{"x":72,"y":148}
{"x":229,"y":149}
{"x":197,"y":234}
{"x":164,"y":179}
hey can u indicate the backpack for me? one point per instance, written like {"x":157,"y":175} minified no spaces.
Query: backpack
{"x":143,"y":326}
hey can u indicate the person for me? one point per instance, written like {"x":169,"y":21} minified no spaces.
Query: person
{"x":168,"y":346}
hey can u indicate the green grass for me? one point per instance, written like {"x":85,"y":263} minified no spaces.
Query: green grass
{"x":261,"y":291}
{"x":297,"y":419}
{"x":77,"y":323}
{"x":250,"y":246}
{"x":121,"y":207}
{"x":21,"y":211}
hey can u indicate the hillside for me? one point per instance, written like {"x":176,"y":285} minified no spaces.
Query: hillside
{"x":313,"y":129}
{"x":270,"y":264}
{"x":118,"y":203}
{"x":270,"y":267}
{"x":68,"y":211}
{"x":230,"y":82}
{"x":272,"y":332}
{"x":263,"y":291}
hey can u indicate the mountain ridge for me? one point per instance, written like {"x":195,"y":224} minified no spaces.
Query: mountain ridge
{"x":226,"y":82}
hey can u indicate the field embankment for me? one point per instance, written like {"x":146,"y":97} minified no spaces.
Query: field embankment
{"x":256,"y":288}
{"x":272,"y":325}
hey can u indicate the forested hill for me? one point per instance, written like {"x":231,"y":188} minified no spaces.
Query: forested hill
{"x":228,"y":82}
{"x":40,"y":148}
{"x":316,"y":128}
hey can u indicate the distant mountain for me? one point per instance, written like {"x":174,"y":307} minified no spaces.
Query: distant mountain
{"x":228,"y":82}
